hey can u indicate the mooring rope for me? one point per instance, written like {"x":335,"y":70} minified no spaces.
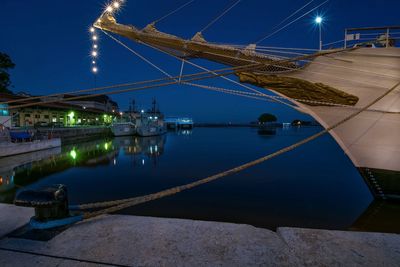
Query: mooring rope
{"x":116,"y":205}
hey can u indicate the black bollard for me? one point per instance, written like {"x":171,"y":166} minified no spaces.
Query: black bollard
{"x":50,"y":203}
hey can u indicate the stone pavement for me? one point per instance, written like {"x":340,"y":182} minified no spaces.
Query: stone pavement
{"x":121,"y":240}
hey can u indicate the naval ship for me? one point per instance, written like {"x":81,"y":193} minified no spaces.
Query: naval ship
{"x":329,"y":85}
{"x":142,"y":123}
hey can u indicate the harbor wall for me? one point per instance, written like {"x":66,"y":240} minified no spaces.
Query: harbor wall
{"x":68,"y":134}
{"x":8,"y":149}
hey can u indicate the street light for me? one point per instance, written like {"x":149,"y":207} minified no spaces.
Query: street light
{"x":318,"y":20}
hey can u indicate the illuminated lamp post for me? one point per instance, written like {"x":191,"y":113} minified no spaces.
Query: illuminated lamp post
{"x":319,"y":20}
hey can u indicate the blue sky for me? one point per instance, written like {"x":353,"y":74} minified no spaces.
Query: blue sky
{"x":50,"y":44}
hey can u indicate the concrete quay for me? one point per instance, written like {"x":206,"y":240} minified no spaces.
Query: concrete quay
{"x":10,"y":149}
{"x":119,"y":240}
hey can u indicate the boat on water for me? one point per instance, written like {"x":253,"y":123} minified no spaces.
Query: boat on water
{"x":123,"y":128}
{"x":329,"y":85}
{"x":143,"y":123}
{"x":126,"y":124}
{"x":151,"y":123}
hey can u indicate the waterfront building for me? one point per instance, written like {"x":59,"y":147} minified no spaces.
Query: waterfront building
{"x":92,"y":111}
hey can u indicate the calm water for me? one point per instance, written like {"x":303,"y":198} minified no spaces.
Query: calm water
{"x":314,"y":186}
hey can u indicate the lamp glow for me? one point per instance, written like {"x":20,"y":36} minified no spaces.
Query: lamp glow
{"x":94,"y":37}
{"x":73,"y":154}
{"x":92,"y":29}
{"x":116,"y":4}
{"x":95,"y":70}
{"x":109,"y":9}
{"x":95,"y":46}
{"x":94,"y":53}
{"x":319,"y":20}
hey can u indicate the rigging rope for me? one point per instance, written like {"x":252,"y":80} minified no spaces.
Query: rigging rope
{"x":244,"y":67}
{"x":294,"y":13}
{"x":225,"y":78}
{"x":174,"y":11}
{"x":298,"y":100}
{"x":290,"y":23}
{"x":193,"y":77}
{"x":181,"y":70}
{"x":251,"y":66}
{"x":243,"y":94}
{"x":137,"y":54}
{"x":136,"y":83}
{"x":220,"y":16}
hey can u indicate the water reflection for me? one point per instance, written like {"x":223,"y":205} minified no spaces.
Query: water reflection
{"x":141,"y":149}
{"x":10,"y":166}
{"x":22,"y":170}
{"x":185,"y":132}
{"x":268,"y":131}
{"x":6,"y":181}
{"x":313,"y":186}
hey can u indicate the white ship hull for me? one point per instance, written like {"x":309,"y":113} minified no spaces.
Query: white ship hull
{"x":148,"y":130}
{"x":123,"y":129}
{"x":372,"y":139}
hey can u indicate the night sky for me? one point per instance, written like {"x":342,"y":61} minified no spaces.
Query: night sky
{"x":50,"y":44}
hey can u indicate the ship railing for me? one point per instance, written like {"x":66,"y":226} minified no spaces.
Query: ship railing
{"x":376,"y":37}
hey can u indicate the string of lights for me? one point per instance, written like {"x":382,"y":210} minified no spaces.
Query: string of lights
{"x":95,"y":49}
{"x":109,"y":8}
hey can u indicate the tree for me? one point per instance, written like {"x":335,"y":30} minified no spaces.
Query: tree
{"x":266,"y":117}
{"x":5,"y":65}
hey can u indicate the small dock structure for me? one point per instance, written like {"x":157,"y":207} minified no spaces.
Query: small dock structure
{"x":179,"y":123}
